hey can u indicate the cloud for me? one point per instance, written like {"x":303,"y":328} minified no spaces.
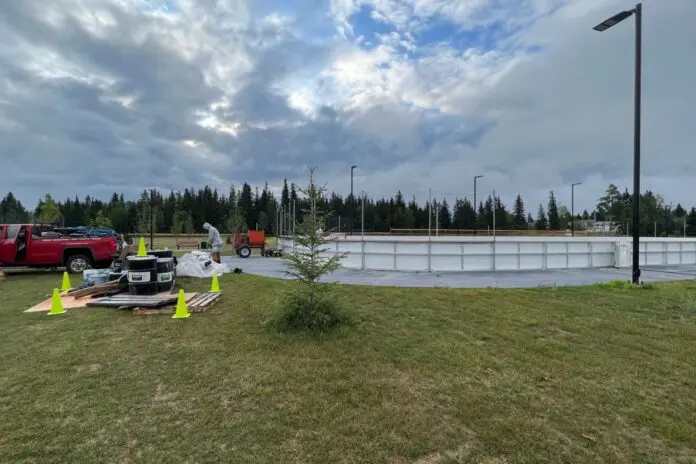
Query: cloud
{"x":105,"y":95}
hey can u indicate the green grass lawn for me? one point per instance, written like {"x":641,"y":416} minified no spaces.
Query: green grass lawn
{"x":574,"y":375}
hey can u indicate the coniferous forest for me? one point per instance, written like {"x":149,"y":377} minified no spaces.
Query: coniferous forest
{"x":245,"y":208}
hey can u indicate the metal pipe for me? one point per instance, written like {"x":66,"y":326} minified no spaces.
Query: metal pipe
{"x":494,"y":202}
{"x":352,"y":199}
{"x":362,"y":216}
{"x":572,"y":208}
{"x":430,"y":209}
{"x":152,"y":220}
{"x":636,"y":146}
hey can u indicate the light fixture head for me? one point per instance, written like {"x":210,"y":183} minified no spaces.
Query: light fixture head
{"x":613,"y":21}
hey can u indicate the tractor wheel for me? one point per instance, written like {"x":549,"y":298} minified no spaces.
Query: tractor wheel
{"x":244,"y":251}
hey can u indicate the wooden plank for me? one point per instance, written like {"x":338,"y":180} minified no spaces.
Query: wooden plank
{"x":95,"y":291}
{"x":208,"y":299}
{"x":198,"y":301}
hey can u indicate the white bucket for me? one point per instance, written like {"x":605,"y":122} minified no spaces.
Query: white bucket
{"x":95,"y":276}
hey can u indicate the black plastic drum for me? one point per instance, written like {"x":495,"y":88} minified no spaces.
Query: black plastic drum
{"x":165,"y":274}
{"x":142,"y":289}
{"x":142,"y":275}
{"x":162,"y":253}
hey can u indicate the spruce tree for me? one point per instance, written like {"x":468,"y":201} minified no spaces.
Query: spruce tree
{"x":541,"y":222}
{"x":554,"y":220}
{"x":445,"y":218}
{"x":691,"y":223}
{"x":519,"y":221}
{"x":309,"y":305}
{"x":285,"y":195}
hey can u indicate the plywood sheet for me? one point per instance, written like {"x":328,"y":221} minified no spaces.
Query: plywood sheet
{"x":70,"y":302}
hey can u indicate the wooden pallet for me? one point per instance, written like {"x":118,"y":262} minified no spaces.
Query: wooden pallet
{"x":197,"y":303}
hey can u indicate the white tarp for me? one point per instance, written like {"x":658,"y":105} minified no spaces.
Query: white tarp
{"x":199,"y":264}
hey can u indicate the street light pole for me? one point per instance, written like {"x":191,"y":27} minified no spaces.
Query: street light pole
{"x":603,"y":26}
{"x":430,"y":210}
{"x":572,"y":208}
{"x":352,"y":199}
{"x":152,"y":219}
{"x":475,"y":205}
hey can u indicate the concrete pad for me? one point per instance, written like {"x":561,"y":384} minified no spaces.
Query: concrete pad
{"x":274,"y":267}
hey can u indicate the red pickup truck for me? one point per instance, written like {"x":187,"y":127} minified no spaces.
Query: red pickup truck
{"x":21,"y":245}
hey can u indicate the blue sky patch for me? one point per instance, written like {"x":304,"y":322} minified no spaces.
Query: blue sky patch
{"x":166,"y":6}
{"x":365,"y":25}
{"x":442,"y":31}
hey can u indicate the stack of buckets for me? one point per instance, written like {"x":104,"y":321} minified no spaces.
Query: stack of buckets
{"x":150,"y":273}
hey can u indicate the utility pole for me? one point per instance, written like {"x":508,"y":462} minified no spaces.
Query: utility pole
{"x":475,"y":205}
{"x":572,"y":208}
{"x":601,"y":27}
{"x":352,"y":199}
{"x":362,"y":216}
{"x":152,"y":220}
{"x":430,"y":210}
{"x":494,"y":203}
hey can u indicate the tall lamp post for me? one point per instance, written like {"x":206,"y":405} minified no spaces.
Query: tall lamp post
{"x":603,"y":26}
{"x":152,"y":219}
{"x":572,"y":208}
{"x":475,"y":205}
{"x":352,"y":199}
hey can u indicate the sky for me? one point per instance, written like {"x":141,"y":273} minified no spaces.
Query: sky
{"x":98,"y":96}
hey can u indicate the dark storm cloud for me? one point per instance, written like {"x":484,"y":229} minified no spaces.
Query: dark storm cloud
{"x":87,"y":111}
{"x":80,"y":122}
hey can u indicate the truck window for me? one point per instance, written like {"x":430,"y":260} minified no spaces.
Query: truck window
{"x":12,"y":232}
{"x":2,"y":232}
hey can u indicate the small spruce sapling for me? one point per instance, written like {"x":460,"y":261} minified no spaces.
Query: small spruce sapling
{"x":312,"y":258}
{"x":310,"y":306}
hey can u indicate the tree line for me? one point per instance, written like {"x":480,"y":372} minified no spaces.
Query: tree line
{"x":241,"y":209}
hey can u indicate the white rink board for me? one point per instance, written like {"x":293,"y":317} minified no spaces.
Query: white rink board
{"x":465,"y":254}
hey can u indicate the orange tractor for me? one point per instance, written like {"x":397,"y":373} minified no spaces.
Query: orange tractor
{"x":244,"y":243}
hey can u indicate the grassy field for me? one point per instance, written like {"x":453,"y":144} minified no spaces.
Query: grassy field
{"x":577,"y":375}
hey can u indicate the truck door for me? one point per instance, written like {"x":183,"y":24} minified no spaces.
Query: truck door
{"x":41,"y":250}
{"x":8,"y":245}
{"x":22,"y":245}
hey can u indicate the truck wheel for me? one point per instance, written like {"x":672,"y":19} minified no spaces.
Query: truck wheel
{"x":244,"y":252}
{"x":77,"y":263}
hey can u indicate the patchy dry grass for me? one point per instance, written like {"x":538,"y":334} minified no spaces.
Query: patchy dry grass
{"x":575,"y":375}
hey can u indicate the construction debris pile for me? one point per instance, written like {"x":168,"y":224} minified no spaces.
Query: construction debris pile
{"x":143,"y":283}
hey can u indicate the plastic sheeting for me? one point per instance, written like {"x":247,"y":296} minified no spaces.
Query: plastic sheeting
{"x":199,"y":264}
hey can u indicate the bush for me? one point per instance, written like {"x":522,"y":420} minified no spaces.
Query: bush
{"x":300,"y":310}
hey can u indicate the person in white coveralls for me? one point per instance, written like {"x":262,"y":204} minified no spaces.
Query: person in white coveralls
{"x":214,"y":241}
